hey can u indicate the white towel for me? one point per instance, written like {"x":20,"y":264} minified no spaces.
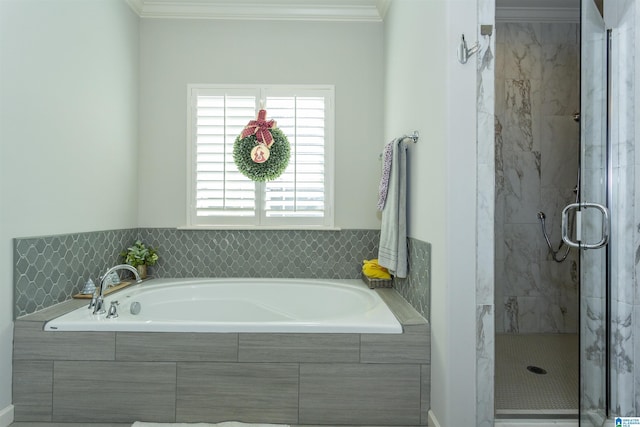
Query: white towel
{"x":392,"y":251}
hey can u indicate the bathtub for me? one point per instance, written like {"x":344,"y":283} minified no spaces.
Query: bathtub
{"x":240,"y":305}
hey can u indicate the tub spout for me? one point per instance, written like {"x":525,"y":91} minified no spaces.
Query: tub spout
{"x":98,"y":305}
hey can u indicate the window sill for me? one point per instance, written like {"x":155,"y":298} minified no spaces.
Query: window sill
{"x":255,"y":227}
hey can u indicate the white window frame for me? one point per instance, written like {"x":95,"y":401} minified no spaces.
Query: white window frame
{"x":260,"y":220}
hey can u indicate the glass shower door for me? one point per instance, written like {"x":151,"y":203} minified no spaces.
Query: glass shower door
{"x":592,"y":220}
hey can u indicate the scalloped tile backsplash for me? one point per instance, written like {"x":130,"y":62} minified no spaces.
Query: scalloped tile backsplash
{"x":50,"y":269}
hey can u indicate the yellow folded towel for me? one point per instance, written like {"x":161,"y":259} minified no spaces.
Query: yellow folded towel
{"x":373,"y":270}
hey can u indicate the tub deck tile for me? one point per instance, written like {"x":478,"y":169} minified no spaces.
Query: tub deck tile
{"x":31,"y":342}
{"x":178,"y":346}
{"x":412,"y":346}
{"x":360,"y":394}
{"x":425,"y":393}
{"x":114,"y":391}
{"x":323,"y":379}
{"x":32,"y":384}
{"x":246,"y":392}
{"x":404,"y":312}
{"x":54,"y":311}
{"x":336,"y":348}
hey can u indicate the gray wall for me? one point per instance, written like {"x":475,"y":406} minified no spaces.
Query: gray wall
{"x":537,"y":141}
{"x":68,"y":113}
{"x":426,"y":89}
{"x":178,"y":52}
{"x":446,"y":167}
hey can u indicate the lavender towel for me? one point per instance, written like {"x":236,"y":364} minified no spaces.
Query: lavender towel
{"x":383,"y":189}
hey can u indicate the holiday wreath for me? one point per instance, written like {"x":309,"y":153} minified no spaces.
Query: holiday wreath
{"x":261,"y":152}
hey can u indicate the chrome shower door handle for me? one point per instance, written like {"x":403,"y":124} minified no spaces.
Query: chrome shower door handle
{"x":579,"y":208}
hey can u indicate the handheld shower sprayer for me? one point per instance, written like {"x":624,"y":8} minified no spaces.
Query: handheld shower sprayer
{"x":554,"y":253}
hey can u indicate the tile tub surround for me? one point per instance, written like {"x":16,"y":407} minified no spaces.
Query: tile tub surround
{"x":261,"y":253}
{"x":305,"y":379}
{"x":416,"y":287}
{"x":51,"y":269}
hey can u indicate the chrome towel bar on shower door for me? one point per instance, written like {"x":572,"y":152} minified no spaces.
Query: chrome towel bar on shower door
{"x":578,"y":208}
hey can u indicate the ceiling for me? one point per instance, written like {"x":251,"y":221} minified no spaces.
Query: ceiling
{"x":283,"y":10}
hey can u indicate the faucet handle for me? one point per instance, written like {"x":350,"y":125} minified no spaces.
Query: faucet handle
{"x":113,"y":310}
{"x":99,"y":306}
{"x":94,"y":298}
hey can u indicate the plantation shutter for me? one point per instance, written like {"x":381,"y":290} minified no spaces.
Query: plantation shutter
{"x":220,"y":195}
{"x":300,"y":190}
{"x":221,"y":190}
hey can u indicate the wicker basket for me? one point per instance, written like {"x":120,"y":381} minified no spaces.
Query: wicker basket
{"x":377,"y":283}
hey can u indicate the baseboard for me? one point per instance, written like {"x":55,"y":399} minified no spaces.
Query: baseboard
{"x":432,"y":421}
{"x":541,"y":422}
{"x":6,"y":416}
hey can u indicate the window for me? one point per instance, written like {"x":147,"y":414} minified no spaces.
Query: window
{"x":220,"y":195}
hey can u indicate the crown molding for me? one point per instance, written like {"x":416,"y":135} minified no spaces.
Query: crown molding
{"x":550,"y":11}
{"x":135,"y":5}
{"x":281,"y":10}
{"x":383,"y":8}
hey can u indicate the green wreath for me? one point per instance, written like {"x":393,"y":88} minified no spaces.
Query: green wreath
{"x":279,"y":154}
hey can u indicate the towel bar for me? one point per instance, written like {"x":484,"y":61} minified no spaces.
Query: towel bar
{"x":413,"y":137}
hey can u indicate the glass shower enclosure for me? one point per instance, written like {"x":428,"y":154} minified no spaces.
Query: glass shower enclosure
{"x":591,"y":234}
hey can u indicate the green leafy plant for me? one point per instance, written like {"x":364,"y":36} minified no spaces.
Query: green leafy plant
{"x":139,"y":254}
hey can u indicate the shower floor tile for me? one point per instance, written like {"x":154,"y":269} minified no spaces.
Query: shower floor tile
{"x":520,"y":392}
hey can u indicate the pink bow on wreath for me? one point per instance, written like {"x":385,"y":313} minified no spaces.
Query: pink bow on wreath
{"x":260,"y":128}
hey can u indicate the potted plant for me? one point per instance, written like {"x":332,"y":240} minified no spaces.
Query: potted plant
{"x":140,"y":256}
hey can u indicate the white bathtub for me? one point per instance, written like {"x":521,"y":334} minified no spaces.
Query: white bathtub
{"x":240,"y":305}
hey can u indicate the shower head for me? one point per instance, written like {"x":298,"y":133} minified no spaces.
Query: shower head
{"x":541,"y":216}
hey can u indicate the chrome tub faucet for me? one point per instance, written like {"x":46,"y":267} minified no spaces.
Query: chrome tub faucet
{"x":97,"y":301}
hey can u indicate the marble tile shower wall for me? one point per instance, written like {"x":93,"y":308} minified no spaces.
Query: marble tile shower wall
{"x":485,"y":235}
{"x":51,"y":269}
{"x":536,"y":166}
{"x":625,"y":215}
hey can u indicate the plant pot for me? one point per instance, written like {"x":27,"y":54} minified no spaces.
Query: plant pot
{"x":142,"y":271}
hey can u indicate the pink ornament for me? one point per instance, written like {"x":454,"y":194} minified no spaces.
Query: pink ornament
{"x":260,"y":153}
